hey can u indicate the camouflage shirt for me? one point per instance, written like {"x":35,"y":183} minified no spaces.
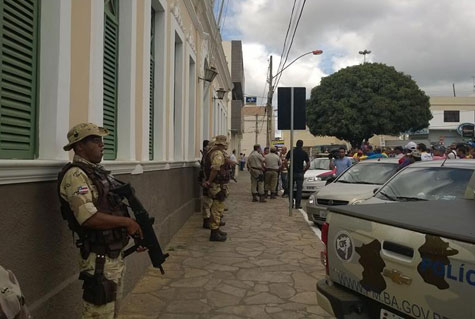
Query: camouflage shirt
{"x":79,"y":191}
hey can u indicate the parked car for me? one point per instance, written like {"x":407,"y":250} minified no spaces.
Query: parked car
{"x":356,"y":183}
{"x":316,"y":176}
{"x":431,"y":180}
{"x":403,"y":260}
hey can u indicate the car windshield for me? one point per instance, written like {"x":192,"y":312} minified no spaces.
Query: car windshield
{"x":320,"y":163}
{"x":368,"y":173}
{"x":424,"y":183}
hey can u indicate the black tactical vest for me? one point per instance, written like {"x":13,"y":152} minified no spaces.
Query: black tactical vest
{"x":111,"y":241}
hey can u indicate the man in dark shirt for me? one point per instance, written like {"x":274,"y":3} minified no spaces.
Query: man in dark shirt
{"x":300,"y":156}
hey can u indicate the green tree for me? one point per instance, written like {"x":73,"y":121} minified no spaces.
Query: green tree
{"x":360,"y":101}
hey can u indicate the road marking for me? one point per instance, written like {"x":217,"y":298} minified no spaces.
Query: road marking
{"x":315,"y":229}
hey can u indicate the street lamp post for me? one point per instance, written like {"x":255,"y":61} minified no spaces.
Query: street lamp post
{"x":364,"y":54}
{"x":270,"y":94}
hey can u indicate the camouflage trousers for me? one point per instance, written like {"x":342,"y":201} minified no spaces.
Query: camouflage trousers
{"x":206,"y":203}
{"x":218,"y":193}
{"x":114,"y":269}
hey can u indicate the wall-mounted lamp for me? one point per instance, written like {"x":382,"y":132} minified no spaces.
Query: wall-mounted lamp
{"x":210,"y":74}
{"x":220,"y":94}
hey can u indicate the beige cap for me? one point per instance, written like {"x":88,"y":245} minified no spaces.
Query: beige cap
{"x":220,"y":140}
{"x":83,"y":130}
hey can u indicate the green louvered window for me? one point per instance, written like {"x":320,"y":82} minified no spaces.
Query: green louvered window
{"x":111,"y":62}
{"x":18,"y":74}
{"x":152,"y":85}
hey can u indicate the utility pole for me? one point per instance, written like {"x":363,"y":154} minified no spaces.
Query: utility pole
{"x":257,"y":128}
{"x":269,"y":104}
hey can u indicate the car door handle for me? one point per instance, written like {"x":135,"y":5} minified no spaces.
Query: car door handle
{"x":398,"y":249}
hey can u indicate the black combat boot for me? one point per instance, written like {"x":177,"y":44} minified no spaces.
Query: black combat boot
{"x":216,"y":236}
{"x":272,"y":195}
{"x":206,"y":223}
{"x":262,"y":198}
{"x":225,"y":234}
{"x":254,"y":198}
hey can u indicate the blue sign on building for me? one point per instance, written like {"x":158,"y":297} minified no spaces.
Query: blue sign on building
{"x":251,"y":99}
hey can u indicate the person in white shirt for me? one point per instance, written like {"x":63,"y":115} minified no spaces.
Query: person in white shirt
{"x":233,"y":158}
{"x":425,"y":156}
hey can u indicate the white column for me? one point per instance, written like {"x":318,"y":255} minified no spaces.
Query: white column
{"x":126,"y":80}
{"x":162,"y":46}
{"x":146,"y":81}
{"x":96,"y":86}
{"x":55,"y":78}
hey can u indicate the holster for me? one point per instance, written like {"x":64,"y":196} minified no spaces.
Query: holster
{"x":98,"y":290}
{"x":260,"y":178}
{"x":221,"y":195}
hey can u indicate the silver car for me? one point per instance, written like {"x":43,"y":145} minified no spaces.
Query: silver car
{"x":431,"y":180}
{"x":356,"y":183}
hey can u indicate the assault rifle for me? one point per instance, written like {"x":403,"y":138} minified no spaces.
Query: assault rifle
{"x":150,"y":241}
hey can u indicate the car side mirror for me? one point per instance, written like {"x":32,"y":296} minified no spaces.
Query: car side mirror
{"x":375,"y":190}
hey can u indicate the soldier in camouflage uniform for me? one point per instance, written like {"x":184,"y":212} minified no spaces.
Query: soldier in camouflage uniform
{"x":12,"y":302}
{"x":217,"y":173}
{"x":206,"y":201}
{"x":99,"y":219}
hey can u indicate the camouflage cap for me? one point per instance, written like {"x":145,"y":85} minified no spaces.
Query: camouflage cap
{"x":81,"y":131}
{"x":220,"y":140}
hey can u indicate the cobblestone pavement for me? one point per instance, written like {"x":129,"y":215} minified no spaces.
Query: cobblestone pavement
{"x":268,"y":267}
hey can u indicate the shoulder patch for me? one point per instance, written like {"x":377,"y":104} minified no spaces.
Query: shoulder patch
{"x":83,"y":190}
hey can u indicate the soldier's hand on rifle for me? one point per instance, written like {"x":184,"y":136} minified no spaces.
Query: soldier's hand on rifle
{"x":134,"y":229}
{"x":206,"y":184}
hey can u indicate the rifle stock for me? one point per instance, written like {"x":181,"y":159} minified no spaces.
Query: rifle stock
{"x":150,"y":241}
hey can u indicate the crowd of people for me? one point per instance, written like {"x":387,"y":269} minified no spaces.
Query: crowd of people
{"x":421,"y":150}
{"x":269,"y":170}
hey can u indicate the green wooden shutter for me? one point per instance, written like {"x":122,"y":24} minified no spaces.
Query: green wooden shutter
{"x":18,"y":74}
{"x":111,"y":62}
{"x":152,"y":86}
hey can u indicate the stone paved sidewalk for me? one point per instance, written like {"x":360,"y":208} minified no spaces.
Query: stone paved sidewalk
{"x":268,"y":267}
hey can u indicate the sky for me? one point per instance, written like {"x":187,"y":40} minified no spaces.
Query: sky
{"x":430,"y":40}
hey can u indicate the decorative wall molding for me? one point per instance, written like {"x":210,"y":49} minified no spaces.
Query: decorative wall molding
{"x":33,"y":171}
{"x":189,"y":36}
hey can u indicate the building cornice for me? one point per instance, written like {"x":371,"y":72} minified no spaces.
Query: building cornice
{"x":32,"y":171}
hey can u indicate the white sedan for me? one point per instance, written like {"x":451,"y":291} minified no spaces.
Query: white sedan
{"x":316,"y":176}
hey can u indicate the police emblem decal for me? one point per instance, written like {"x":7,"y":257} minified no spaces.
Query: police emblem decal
{"x":344,"y":246}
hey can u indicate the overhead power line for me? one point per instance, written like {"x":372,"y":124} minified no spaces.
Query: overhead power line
{"x":286,"y":36}
{"x":291,"y":42}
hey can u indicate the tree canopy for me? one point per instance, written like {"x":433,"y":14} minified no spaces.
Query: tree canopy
{"x":360,"y":101}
